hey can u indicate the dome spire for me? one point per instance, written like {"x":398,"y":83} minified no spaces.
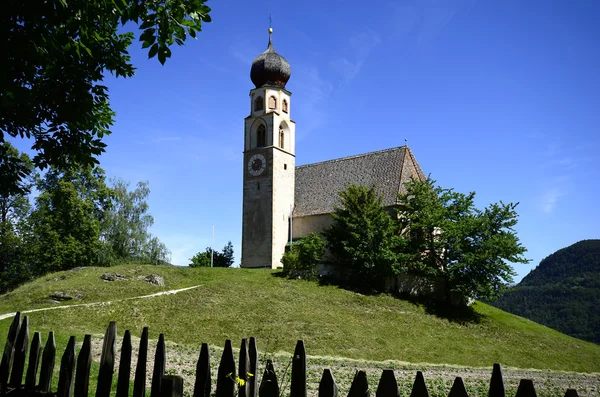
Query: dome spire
{"x":270,"y":30}
{"x":270,"y":68}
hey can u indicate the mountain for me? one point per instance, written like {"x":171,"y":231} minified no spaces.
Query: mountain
{"x":235,"y":303}
{"x":562,"y":292}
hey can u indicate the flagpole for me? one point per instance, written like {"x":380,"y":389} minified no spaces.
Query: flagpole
{"x":212,"y":247}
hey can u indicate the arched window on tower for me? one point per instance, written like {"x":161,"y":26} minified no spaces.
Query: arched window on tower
{"x":281,"y":137}
{"x":261,"y":136}
{"x":259,"y":103}
{"x":272,"y":103}
{"x":284,"y":106}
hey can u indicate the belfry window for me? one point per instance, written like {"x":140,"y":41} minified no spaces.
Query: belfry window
{"x":284,"y":106}
{"x":261,"y":136}
{"x":272,"y":103}
{"x":259,"y":104}
{"x":281,"y":137}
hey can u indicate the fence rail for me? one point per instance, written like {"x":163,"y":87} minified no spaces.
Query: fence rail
{"x":74,"y":373}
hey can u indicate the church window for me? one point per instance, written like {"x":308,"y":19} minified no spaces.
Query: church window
{"x":257,"y":185}
{"x":259,"y":104}
{"x":284,"y":106}
{"x":261,"y":136}
{"x":281,"y":136}
{"x":272,"y":103}
{"x":285,"y":166}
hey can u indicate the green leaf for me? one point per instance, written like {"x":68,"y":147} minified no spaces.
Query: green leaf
{"x":153,"y":51}
{"x":192,"y":33}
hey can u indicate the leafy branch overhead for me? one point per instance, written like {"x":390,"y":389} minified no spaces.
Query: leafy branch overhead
{"x":56,"y":55}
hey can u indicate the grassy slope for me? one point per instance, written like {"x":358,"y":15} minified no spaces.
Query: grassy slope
{"x":237,"y":303}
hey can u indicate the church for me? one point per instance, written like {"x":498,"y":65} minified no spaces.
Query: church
{"x":282,"y":202}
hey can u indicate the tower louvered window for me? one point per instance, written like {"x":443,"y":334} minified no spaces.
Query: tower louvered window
{"x":261,"y":136}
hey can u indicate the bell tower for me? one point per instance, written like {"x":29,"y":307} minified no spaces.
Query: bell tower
{"x":269,"y":163}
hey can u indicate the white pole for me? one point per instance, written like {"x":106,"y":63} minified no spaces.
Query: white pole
{"x":212,"y":247}
{"x":291,"y":223}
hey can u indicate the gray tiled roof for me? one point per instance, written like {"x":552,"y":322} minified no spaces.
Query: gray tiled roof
{"x":318,"y":184}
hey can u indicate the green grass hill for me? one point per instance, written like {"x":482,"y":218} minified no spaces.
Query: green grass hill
{"x":238,"y":303}
{"x":562,"y":292}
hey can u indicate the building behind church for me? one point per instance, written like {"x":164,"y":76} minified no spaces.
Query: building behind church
{"x":282,"y":201}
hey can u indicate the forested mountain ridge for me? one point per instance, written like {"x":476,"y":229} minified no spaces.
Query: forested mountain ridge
{"x":562,"y":292}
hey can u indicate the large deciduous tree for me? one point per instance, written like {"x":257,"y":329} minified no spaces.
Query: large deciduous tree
{"x":449,"y":239}
{"x":56,"y":54}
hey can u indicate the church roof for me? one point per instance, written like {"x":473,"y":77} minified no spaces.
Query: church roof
{"x":318,"y":184}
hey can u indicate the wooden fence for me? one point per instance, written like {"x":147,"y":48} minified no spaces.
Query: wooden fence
{"x":74,"y":374}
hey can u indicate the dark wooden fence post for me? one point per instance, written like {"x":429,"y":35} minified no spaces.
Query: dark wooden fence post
{"x":571,"y":393}
{"x":226,"y":373}
{"x":107,"y":361}
{"x":298,"y":384}
{"x":21,"y":344}
{"x":84,"y":361}
{"x":9,"y":348}
{"x":202,"y":385}
{"x":67,"y":371}
{"x":419,"y":388}
{"x":526,"y":389}
{"x":458,"y":388}
{"x":139,"y":384}
{"x":47,"y":368}
{"x":172,"y":386}
{"x":34,"y":361}
{"x":360,"y":385}
{"x":497,"y":383}
{"x":160,"y":362}
{"x":269,"y":387}
{"x":388,"y":387}
{"x":243,"y":370}
{"x":124,"y":366}
{"x":327,"y":385}
{"x":253,"y":368}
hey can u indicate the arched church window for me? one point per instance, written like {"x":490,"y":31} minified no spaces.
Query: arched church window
{"x":281,"y":136}
{"x":284,"y":106}
{"x":261,"y":136}
{"x":272,"y":103}
{"x":259,"y":104}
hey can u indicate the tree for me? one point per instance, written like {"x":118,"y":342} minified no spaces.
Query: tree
{"x":363,"y":237}
{"x":201,"y":259}
{"x":56,"y":54}
{"x":449,"y":239}
{"x":302,"y":258}
{"x":219,"y":259}
{"x":125,"y":227}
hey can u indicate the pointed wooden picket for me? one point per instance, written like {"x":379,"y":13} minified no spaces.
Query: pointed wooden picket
{"x":47,"y":367}
{"x":327,"y":385}
{"x":497,"y":383}
{"x":269,"y":387}
{"x":124,"y":366}
{"x":139,"y":384}
{"x":526,"y":389}
{"x":107,"y":361}
{"x":226,"y":373}
{"x":458,"y":388}
{"x":253,"y":368}
{"x":84,"y":361}
{"x":203,"y":383}
{"x":571,"y":393}
{"x":360,"y":385}
{"x":160,"y":363}
{"x":66,"y":375}
{"x":243,"y":370}
{"x":9,"y":349}
{"x":35,"y":353}
{"x":388,"y":387}
{"x":298,"y":384}
{"x":419,"y":388}
{"x":21,"y":344}
{"x":172,"y":386}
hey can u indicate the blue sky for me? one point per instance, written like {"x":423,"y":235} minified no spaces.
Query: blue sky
{"x":497,"y":97}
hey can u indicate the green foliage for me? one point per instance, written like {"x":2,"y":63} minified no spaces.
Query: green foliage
{"x":125,"y":226}
{"x":363,"y":237}
{"x":562,"y":292}
{"x":219,"y":259}
{"x":56,"y":56}
{"x":302,"y":258}
{"x":449,"y":239}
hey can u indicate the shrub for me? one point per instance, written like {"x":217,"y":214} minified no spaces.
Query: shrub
{"x":301,"y":260}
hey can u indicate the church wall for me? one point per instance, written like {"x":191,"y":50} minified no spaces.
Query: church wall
{"x":304,"y":225}
{"x":283,"y":200}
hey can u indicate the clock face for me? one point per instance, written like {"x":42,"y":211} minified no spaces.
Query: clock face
{"x":257,"y":164}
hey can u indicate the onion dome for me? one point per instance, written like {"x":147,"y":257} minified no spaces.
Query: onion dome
{"x":270,"y":68}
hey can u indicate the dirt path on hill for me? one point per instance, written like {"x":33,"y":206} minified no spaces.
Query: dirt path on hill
{"x":170,"y":292}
